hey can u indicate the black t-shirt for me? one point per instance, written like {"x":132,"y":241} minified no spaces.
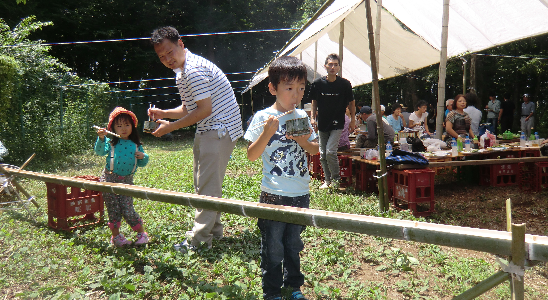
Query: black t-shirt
{"x":508,"y":108}
{"x":332,"y":98}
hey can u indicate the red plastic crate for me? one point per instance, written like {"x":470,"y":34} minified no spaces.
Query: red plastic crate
{"x":528,"y":177}
{"x":77,"y":208}
{"x":530,"y":153}
{"x":314,"y":166}
{"x":505,"y":154}
{"x":411,"y":189}
{"x":364,"y":180}
{"x":541,"y":175}
{"x":345,"y":170}
{"x":499,"y":175}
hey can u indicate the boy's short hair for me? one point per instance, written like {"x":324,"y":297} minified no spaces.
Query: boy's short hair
{"x":287,"y":68}
{"x":162,"y":33}
{"x":332,"y":56}
{"x":420,"y":104}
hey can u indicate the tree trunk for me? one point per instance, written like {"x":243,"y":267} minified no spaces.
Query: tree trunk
{"x":473,"y":73}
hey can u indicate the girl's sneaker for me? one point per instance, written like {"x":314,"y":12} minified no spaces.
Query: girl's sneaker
{"x":119,"y":241}
{"x":142,"y":238}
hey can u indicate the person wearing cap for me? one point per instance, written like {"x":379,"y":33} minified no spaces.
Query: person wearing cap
{"x":330,"y":96}
{"x":527,"y":119}
{"x":493,"y":109}
{"x":506,"y":114}
{"x":209,"y":102}
{"x":124,"y":154}
{"x":370,"y":139}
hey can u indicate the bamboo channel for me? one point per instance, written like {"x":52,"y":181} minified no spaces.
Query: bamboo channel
{"x":491,"y":241}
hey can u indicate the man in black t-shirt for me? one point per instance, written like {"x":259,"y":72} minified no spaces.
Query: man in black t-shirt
{"x":506,"y":114}
{"x":330,"y":96}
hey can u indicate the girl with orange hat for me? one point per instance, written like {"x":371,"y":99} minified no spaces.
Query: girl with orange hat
{"x":123,"y":155}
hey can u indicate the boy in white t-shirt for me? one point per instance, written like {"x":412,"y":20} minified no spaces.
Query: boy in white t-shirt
{"x":417,"y":120}
{"x":285,"y":176}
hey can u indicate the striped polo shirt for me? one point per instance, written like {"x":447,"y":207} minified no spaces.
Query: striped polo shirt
{"x":201,"y":79}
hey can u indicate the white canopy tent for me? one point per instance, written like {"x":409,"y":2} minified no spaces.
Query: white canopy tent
{"x":410,"y":35}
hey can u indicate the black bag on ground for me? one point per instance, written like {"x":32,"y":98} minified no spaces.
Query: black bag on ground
{"x":400,"y":157}
{"x":416,"y":144}
{"x":544,"y":150}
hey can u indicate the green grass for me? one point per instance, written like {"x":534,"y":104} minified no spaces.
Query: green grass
{"x":40,"y":263}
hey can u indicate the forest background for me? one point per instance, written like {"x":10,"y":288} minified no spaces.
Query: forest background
{"x":55,"y":82}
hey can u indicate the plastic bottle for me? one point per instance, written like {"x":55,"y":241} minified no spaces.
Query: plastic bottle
{"x":522,"y":141}
{"x":454,"y":147}
{"x":475,"y":142}
{"x":388,"y":149}
{"x":403,"y":144}
{"x":459,"y":144}
{"x":467,"y":144}
{"x":537,"y":139}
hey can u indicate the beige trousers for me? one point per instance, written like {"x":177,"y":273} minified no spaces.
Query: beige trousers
{"x":211,"y":155}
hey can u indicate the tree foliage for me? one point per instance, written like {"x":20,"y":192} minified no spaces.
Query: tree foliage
{"x":41,"y":113}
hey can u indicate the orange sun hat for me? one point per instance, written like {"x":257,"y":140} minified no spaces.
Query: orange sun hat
{"x":117,"y":111}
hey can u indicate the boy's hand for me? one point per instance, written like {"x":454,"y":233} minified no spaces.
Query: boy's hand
{"x":271,"y":126}
{"x":301,"y":139}
{"x":139,"y":155}
{"x":101,"y":133}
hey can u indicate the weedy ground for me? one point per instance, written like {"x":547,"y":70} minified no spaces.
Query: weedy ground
{"x":40,"y":263}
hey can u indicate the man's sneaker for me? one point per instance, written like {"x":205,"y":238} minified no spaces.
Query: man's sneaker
{"x":119,"y":241}
{"x":184,"y":246}
{"x":142,"y":238}
{"x":335,"y":185}
{"x":297,"y":295}
{"x":325,"y":185}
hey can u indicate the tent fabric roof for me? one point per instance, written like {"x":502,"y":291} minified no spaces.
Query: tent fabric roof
{"x":410,"y":36}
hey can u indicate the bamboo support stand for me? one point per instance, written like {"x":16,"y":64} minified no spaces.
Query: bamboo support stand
{"x":517,"y":244}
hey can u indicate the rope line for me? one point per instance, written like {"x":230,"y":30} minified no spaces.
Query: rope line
{"x":148,"y":38}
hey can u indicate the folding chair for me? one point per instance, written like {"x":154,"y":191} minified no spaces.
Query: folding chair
{"x":10,"y":191}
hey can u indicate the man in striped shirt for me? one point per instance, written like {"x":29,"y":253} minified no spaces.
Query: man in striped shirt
{"x":209,"y":102}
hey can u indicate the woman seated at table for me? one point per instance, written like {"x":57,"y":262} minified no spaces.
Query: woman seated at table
{"x":344,"y":141}
{"x":396,"y":119}
{"x":417,"y":120}
{"x":458,"y":122}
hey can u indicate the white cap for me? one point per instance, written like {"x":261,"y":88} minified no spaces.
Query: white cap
{"x":382,"y":108}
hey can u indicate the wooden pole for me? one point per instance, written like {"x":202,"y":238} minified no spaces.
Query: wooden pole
{"x":315,"y":59}
{"x":341,"y":46}
{"x":378,"y":32}
{"x":383,"y":193}
{"x":508,"y":214}
{"x":464,"y":61}
{"x":518,"y":259}
{"x":443,"y":69}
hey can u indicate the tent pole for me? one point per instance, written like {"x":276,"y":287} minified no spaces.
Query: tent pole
{"x":315,"y":59}
{"x":383,"y":192}
{"x":443,"y":69}
{"x":341,"y":46}
{"x":378,"y":32}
